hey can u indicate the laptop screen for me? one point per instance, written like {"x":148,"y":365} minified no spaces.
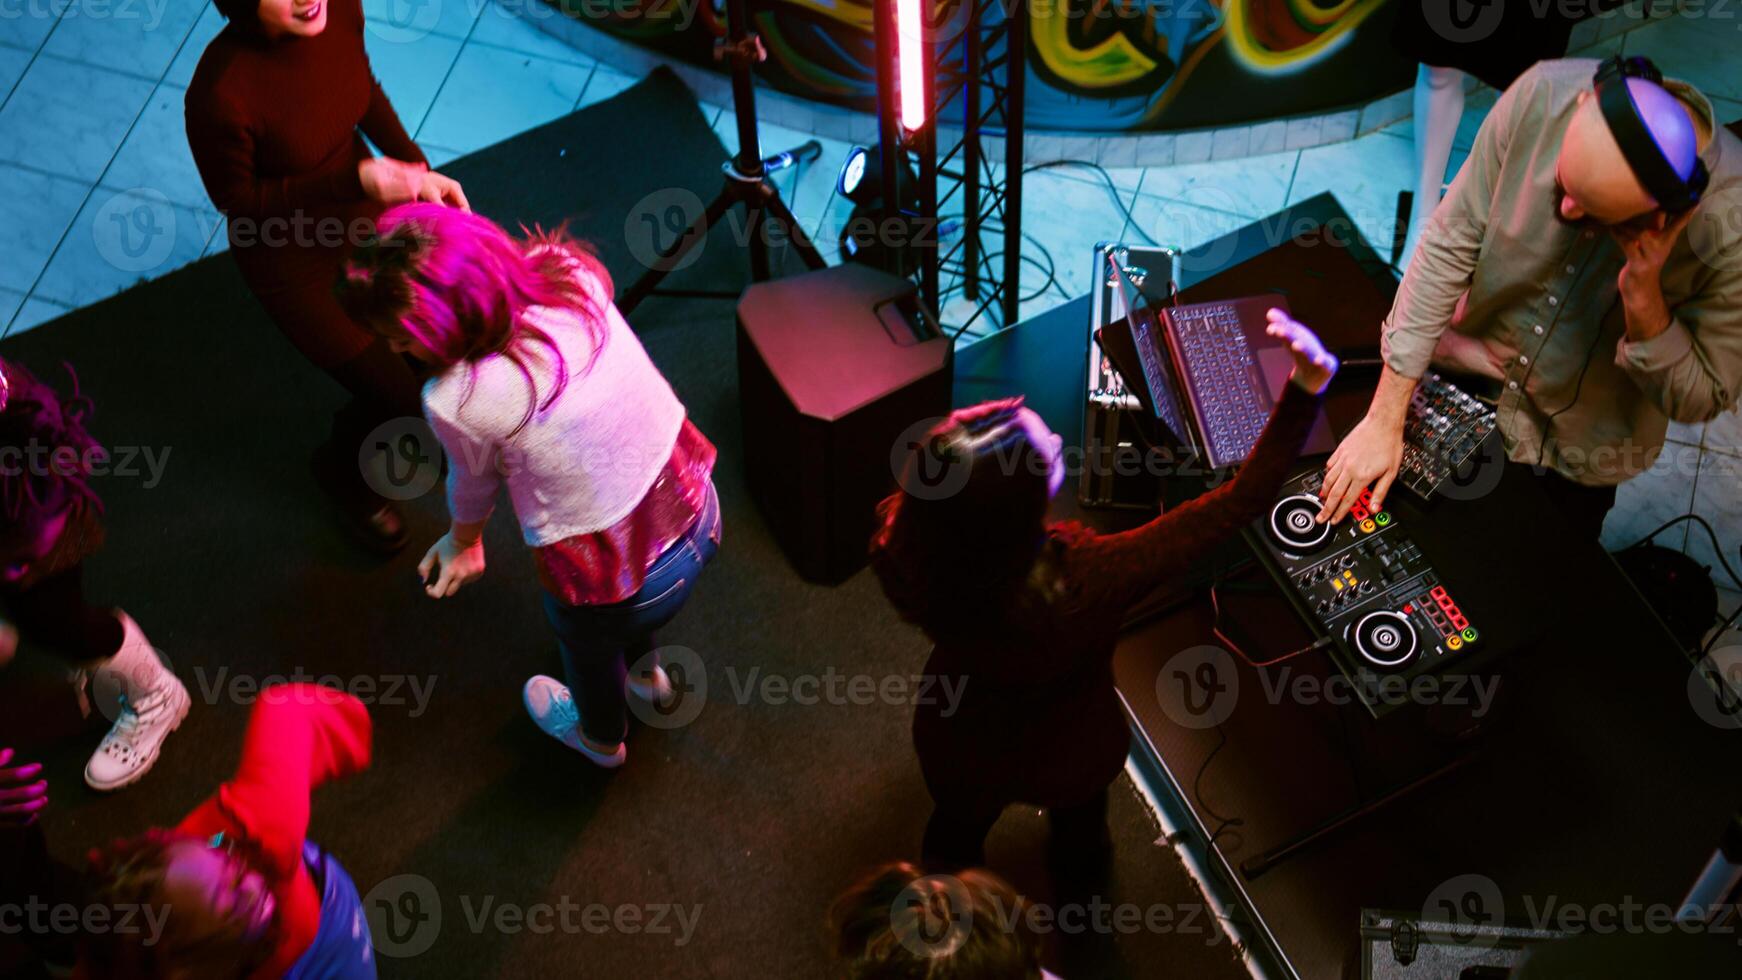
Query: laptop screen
{"x":1157,"y":389}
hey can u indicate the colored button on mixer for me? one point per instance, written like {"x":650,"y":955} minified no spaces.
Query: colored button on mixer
{"x":1368,"y":527}
{"x":1454,"y":643}
{"x":1382,"y":518}
{"x":1469,"y":635}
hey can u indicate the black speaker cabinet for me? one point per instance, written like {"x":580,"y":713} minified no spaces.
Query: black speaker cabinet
{"x":834,"y":366}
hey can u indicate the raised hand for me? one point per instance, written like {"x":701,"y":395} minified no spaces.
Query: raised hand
{"x":1313,"y":365}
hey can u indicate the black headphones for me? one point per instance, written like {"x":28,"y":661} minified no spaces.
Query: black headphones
{"x":1673,"y":194}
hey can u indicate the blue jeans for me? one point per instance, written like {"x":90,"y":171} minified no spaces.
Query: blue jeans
{"x":342,"y":948}
{"x":599,"y":642}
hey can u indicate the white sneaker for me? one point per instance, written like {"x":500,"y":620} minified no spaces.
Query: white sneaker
{"x":553,"y":709}
{"x":151,"y":703}
{"x":654,"y":687}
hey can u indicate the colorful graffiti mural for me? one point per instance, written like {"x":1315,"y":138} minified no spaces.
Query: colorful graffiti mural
{"x":1095,"y":65}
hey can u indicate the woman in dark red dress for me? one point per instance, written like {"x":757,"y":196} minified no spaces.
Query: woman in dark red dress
{"x":1024,"y":615}
{"x":276,"y":116}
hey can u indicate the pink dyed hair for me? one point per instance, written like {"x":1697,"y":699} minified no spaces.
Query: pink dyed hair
{"x":459,"y":286}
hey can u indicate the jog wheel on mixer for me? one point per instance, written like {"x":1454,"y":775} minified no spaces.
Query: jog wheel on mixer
{"x":1385,"y":639}
{"x":1294,"y":523}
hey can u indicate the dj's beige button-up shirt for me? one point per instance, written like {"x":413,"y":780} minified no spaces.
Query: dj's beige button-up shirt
{"x":1499,"y":286}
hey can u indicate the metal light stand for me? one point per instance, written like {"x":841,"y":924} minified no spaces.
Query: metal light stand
{"x":981,"y":72}
{"x":746,"y":178}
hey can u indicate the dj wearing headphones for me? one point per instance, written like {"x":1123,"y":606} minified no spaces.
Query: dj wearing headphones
{"x":1587,"y":263}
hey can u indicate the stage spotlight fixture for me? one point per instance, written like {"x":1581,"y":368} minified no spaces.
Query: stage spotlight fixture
{"x":861,"y":178}
{"x":852,"y":184}
{"x":875,"y":235}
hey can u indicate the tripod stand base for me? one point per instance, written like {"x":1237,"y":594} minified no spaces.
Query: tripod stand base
{"x":762,"y":204}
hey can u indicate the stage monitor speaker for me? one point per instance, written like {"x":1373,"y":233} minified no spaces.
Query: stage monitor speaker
{"x":834,"y":367}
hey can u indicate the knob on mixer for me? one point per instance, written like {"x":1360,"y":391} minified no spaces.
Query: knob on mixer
{"x":1294,"y":524}
{"x":1385,"y":638}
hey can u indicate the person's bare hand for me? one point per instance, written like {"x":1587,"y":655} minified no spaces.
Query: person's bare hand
{"x":442,"y":189}
{"x":1314,"y":366}
{"x":454,"y":564}
{"x":23,"y":791}
{"x":391,"y":181}
{"x":1369,"y":456}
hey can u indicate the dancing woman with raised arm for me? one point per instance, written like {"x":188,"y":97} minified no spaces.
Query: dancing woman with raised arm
{"x":1025,"y":614}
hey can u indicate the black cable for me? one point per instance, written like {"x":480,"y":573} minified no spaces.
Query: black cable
{"x":1216,"y":630}
{"x":1107,"y":180}
{"x":1548,"y":423}
{"x":1223,"y":824}
{"x":1717,"y":549}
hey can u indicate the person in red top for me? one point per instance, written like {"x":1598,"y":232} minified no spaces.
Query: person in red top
{"x":243,"y":892}
{"x":276,"y":115}
{"x":1026,"y":614}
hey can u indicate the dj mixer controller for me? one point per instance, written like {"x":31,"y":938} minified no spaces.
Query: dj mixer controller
{"x":1364,"y":583}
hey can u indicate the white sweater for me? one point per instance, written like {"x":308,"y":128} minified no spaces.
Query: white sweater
{"x":580,"y":465}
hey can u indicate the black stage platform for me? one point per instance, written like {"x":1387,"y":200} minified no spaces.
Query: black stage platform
{"x":1594,"y":779}
{"x":752,"y":817}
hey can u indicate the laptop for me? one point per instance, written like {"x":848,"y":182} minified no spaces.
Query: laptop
{"x":1207,"y":372}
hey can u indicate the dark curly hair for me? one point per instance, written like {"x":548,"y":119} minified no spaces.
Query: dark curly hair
{"x":899,"y":923}
{"x":44,"y":451}
{"x":129,"y":875}
{"x":964,"y":537}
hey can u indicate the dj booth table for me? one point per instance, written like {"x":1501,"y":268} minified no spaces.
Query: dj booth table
{"x":1593,"y":778}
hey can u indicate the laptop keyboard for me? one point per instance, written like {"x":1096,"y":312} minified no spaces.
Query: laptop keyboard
{"x":1217,"y":360}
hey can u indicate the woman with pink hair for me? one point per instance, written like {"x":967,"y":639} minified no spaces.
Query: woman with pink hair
{"x":540,"y":384}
